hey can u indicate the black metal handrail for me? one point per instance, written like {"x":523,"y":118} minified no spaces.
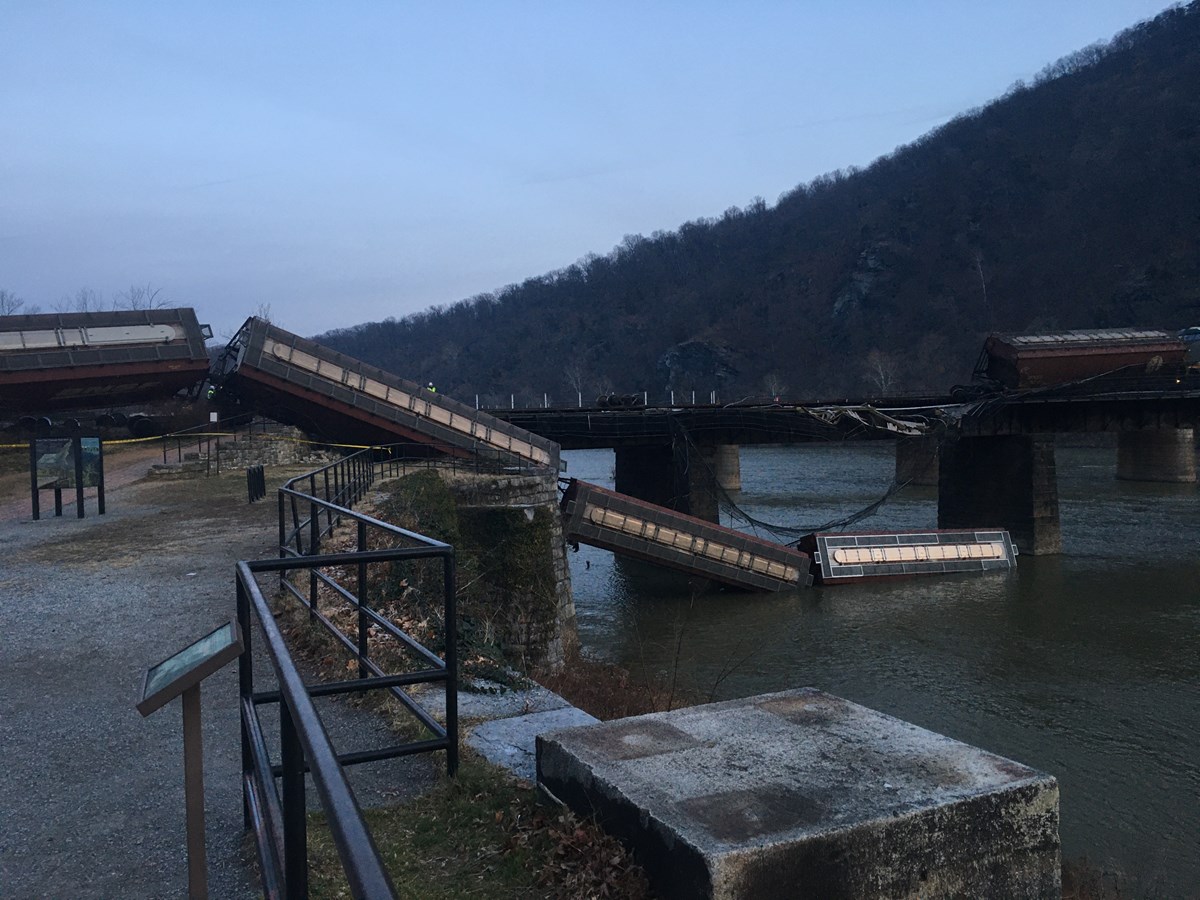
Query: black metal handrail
{"x":326,"y":496}
{"x":281,"y":826}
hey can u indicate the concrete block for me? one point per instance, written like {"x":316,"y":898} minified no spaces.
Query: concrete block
{"x":511,"y":742}
{"x":1168,"y":455}
{"x":803,"y":794}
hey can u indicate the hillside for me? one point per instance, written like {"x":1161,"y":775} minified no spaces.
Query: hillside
{"x":1072,"y":202}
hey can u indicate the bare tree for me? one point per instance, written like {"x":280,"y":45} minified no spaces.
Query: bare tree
{"x":774,"y":385}
{"x":12,"y":305}
{"x":139,"y":296}
{"x":982,"y":280}
{"x":263,"y":311}
{"x":882,"y":370}
{"x":576,"y":375}
{"x":86,"y":299}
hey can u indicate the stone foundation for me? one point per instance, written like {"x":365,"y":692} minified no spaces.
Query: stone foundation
{"x":286,"y":448}
{"x":530,"y":587}
{"x":1166,"y":455}
{"x":917,"y":460}
{"x":802,"y":794}
{"x":1005,"y":482}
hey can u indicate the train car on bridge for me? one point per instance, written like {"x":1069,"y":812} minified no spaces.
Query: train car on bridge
{"x":300,"y":382}
{"x":69,"y":361}
{"x":1023,"y":361}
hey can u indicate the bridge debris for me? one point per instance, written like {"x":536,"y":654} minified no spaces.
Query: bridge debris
{"x":840,"y":557}
{"x":602,"y":518}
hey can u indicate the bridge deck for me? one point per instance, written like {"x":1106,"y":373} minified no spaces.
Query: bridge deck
{"x":622,"y":524}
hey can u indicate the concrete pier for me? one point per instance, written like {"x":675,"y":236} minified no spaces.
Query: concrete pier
{"x":1006,"y":481}
{"x":727,"y":463}
{"x":803,"y":794}
{"x":917,"y":460}
{"x":1165,"y":455}
{"x":673,"y":477}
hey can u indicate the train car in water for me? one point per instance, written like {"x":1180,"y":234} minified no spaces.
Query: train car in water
{"x":612,"y":521}
{"x":841,"y":557}
{"x":72,"y":361}
{"x":1024,"y":361}
{"x":342,"y":399}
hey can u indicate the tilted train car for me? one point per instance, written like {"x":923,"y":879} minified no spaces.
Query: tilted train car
{"x":603,"y":518}
{"x":1021,"y":361}
{"x":63,"y":361}
{"x":342,"y":399}
{"x":841,"y":557}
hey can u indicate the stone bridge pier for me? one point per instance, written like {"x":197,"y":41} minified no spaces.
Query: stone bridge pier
{"x":682,"y":477}
{"x":1006,"y":481}
{"x":1167,"y":454}
{"x":1010,"y":481}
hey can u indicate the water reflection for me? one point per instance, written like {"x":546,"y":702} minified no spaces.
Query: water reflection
{"x":1085,"y":664}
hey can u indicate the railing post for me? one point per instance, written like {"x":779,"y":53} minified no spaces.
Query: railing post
{"x":337,"y":489}
{"x":361,"y":593}
{"x":245,"y":691}
{"x":328,"y":499}
{"x":314,"y":547}
{"x":295,"y":821}
{"x":282,"y":537}
{"x":451,"y":614}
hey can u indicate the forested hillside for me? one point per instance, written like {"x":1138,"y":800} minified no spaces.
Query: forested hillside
{"x":1073,"y":202}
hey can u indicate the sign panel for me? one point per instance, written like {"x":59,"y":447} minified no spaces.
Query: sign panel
{"x":189,"y":666}
{"x":55,"y":463}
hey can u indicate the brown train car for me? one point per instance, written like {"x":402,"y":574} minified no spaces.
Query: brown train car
{"x":87,"y":360}
{"x":298,"y":381}
{"x":612,"y":521}
{"x":1020,"y":361}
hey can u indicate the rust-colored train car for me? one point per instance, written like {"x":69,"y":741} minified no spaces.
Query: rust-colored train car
{"x":840,"y":557}
{"x":1020,"y":361}
{"x":87,"y":360}
{"x":303,"y":383}
{"x":603,"y":518}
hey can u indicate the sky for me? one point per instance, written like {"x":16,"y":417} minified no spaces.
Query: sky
{"x":337,"y":163}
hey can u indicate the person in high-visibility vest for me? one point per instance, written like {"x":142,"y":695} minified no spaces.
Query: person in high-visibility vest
{"x":429,"y":387}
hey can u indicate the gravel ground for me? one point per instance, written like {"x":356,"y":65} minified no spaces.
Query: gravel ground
{"x":92,"y":792}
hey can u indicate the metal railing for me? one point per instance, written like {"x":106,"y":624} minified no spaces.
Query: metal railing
{"x":310,"y":507}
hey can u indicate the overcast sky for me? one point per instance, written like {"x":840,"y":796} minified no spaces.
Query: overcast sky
{"x":346,"y":162}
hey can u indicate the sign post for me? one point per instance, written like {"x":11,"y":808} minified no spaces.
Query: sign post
{"x":180,"y":675}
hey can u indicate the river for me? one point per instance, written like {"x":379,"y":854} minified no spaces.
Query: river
{"x":1085,"y":665}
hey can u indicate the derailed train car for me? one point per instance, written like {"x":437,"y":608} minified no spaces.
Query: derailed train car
{"x":603,"y":518}
{"x":343,"y":399}
{"x":59,"y":361}
{"x":1024,"y":361}
{"x":843,"y":557}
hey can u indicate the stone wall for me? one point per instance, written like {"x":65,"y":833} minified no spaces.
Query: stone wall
{"x":286,"y":448}
{"x":514,"y":578}
{"x":522,"y":512}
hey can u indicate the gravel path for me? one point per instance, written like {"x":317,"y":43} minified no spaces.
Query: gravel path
{"x":92,"y":792}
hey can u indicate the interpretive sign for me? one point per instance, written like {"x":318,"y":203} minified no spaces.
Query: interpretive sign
{"x":55,"y":462}
{"x":189,"y":666}
{"x":182,"y":674}
{"x":66,"y":463}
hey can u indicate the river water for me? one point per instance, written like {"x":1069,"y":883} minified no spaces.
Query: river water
{"x":1085,"y":665}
